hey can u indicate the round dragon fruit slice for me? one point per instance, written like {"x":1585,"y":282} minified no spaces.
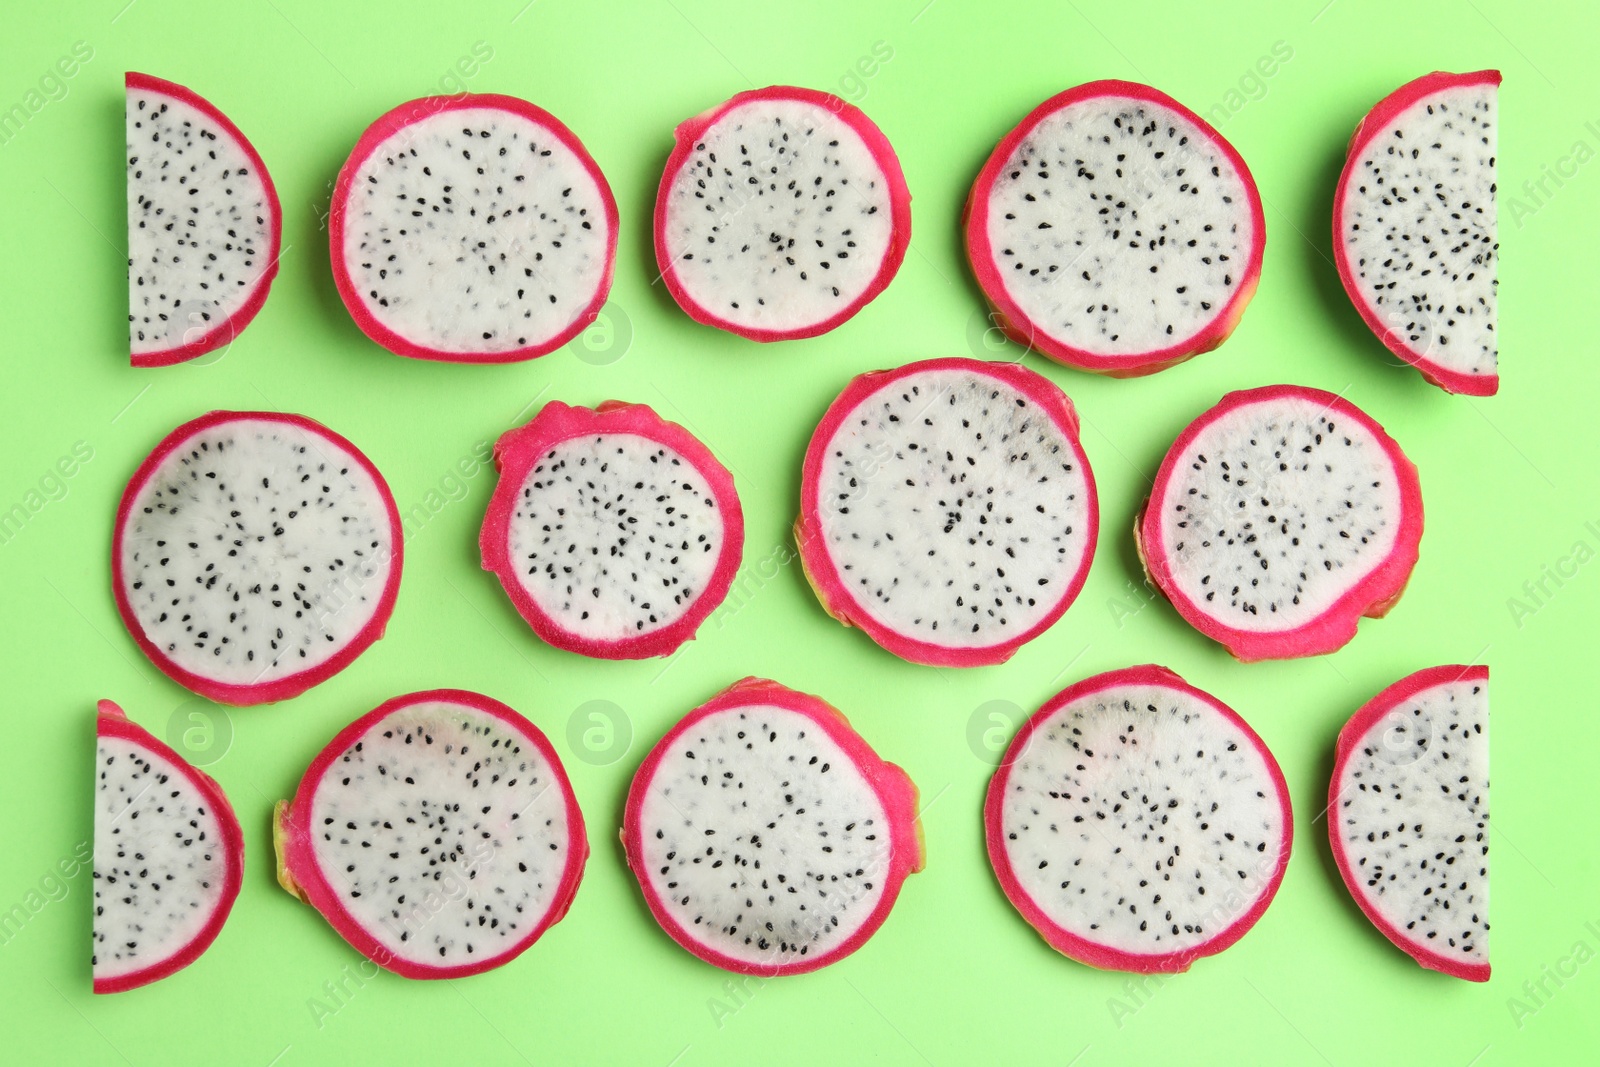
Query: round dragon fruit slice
{"x":168,"y":857}
{"x":767,"y":836}
{"x":1138,"y":823}
{"x":948,"y":510}
{"x":204,"y":225}
{"x":438,"y":834}
{"x":1409,"y":816}
{"x":614,"y":532}
{"x":255,"y":555}
{"x":1414,"y":232}
{"x":1278,"y":519}
{"x":1115,"y":231}
{"x":781,"y":214}
{"x":472,"y":229}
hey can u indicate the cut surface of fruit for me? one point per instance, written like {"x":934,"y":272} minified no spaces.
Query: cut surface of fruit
{"x":204,"y":225}
{"x":1138,"y":823}
{"x":1115,"y":231}
{"x":767,"y":836}
{"x":781,"y":214}
{"x":1409,"y":816}
{"x":438,"y":834}
{"x":168,"y":857}
{"x":473,"y":229}
{"x":255,"y":555}
{"x":1415,"y":237}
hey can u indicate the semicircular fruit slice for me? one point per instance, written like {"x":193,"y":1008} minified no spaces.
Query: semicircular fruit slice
{"x":472,"y":228}
{"x":1414,"y":232}
{"x":767,"y":836}
{"x":204,"y":225}
{"x":438,"y":834}
{"x":1409,"y":816}
{"x":781,"y":214}
{"x":1115,"y":231}
{"x":614,"y":532}
{"x":948,"y":510}
{"x":1138,"y":823}
{"x":1278,"y":519}
{"x":168,"y":857}
{"x":255,"y":555}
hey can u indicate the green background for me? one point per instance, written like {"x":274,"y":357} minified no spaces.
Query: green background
{"x":955,"y":976}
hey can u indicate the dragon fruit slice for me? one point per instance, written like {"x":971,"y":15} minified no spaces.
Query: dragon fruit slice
{"x":614,"y":532}
{"x":1409,"y":816}
{"x":1115,"y":231}
{"x":1414,"y":231}
{"x":948,"y":510}
{"x":168,"y":857}
{"x":767,"y":836}
{"x":1278,"y":519}
{"x":781,"y":214}
{"x":204,"y":225}
{"x":255,"y":555}
{"x":438,"y":834}
{"x":1138,"y":823}
{"x":472,"y":228}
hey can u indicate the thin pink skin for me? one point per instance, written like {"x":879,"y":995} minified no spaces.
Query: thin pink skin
{"x":1371,"y":597}
{"x":228,"y":329}
{"x":1355,"y":732}
{"x":1376,"y":121}
{"x":1016,"y":324}
{"x":110,"y":721}
{"x":426,"y":108}
{"x":1065,"y":941}
{"x":692,"y":130}
{"x":837,"y":598}
{"x":892,"y":785}
{"x":520,"y":449}
{"x":293,"y":684}
{"x":299,"y":859}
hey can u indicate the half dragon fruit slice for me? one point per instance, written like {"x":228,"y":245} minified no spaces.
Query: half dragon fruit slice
{"x":473,"y":229}
{"x":948,"y":510}
{"x":168,"y":857}
{"x":204,"y":225}
{"x":255,"y":555}
{"x":1138,"y":823}
{"x":614,"y":532}
{"x":767,"y":836}
{"x":1278,"y":519}
{"x":1414,"y":231}
{"x":1115,"y":231}
{"x":438,"y":834}
{"x":1408,"y":816}
{"x":781,"y":214}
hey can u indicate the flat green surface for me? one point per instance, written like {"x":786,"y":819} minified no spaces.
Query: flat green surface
{"x":955,"y":976}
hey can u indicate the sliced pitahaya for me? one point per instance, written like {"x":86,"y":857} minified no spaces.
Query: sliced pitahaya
{"x":781,"y":214}
{"x":255,"y":555}
{"x":614,"y":532}
{"x":168,"y":857}
{"x":1115,"y":231}
{"x":204,"y":225}
{"x":438,"y":834}
{"x":1278,"y":519}
{"x":1138,"y":823}
{"x":948,"y":510}
{"x":767,"y":836}
{"x":472,"y":228}
{"x":1414,"y":231}
{"x":1408,"y":816}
